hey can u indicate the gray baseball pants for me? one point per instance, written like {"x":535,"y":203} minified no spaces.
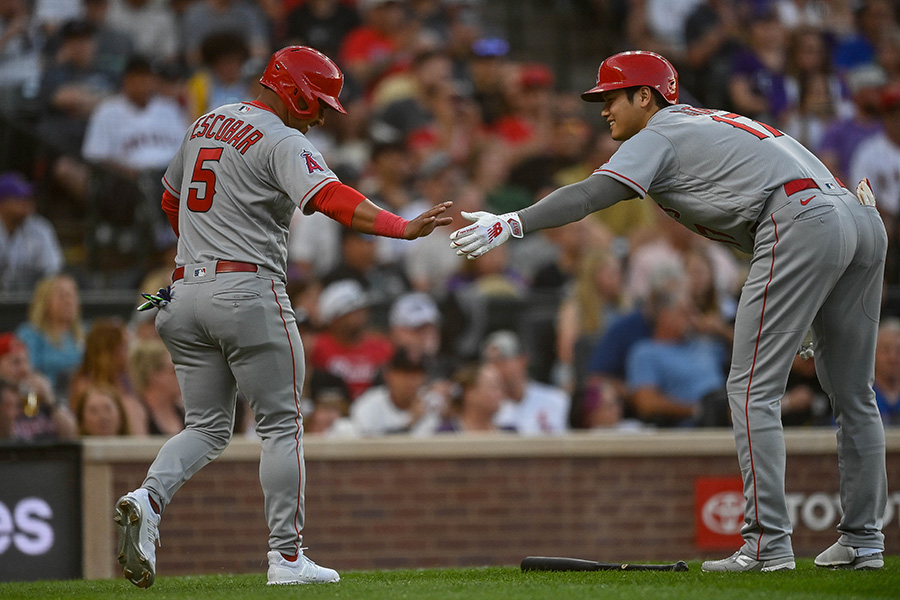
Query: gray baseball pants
{"x":225,"y":332}
{"x":818,"y":261}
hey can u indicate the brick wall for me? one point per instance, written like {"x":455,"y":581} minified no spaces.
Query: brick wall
{"x":491,"y":504}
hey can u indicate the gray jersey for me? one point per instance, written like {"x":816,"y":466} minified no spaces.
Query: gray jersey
{"x":240,"y":174}
{"x":704,"y":169}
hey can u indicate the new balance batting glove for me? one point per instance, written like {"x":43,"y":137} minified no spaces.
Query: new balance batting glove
{"x":486,"y":233}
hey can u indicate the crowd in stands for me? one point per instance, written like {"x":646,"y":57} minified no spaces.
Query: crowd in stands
{"x":620,"y":321}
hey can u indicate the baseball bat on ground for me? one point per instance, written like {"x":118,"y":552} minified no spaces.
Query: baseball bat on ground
{"x":559,"y":563}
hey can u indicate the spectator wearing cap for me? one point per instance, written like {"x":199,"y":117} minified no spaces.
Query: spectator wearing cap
{"x":347,"y":347}
{"x":39,"y":416}
{"x":29,"y":247}
{"x":529,"y":407}
{"x":321,"y":24}
{"x":400,"y":404}
{"x":488,"y":70}
{"x":843,"y":136}
{"x":359,"y":261}
{"x":878,"y":158}
{"x":414,"y":325}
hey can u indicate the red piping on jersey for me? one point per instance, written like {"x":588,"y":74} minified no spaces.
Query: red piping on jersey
{"x":259,"y":104}
{"x":296,"y":419}
{"x":750,"y":382}
{"x":172,"y":189}
{"x":602,"y":170}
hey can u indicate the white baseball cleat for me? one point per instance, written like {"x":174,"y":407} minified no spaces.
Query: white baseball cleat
{"x":845,"y":557}
{"x":739,"y":562}
{"x":299,"y":571}
{"x":138,"y":528}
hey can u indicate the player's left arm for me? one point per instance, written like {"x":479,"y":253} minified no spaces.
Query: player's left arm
{"x":351,"y":209}
{"x":564,"y":205}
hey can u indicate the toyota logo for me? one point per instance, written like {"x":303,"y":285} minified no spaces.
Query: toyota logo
{"x":724,"y":513}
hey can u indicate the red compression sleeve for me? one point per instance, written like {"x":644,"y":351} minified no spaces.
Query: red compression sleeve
{"x":338,"y":201}
{"x":170,"y":207}
{"x":389,"y":225}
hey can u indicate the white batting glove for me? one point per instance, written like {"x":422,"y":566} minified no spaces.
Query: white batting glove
{"x":864,"y":193}
{"x":806,"y":350}
{"x":486,"y":233}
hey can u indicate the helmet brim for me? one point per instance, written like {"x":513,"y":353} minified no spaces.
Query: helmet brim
{"x":594,"y":94}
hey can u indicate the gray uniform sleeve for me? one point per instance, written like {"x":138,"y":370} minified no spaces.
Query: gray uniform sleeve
{"x":574,"y":202}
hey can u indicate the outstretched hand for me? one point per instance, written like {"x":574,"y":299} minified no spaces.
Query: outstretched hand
{"x":427,"y":221}
{"x":486,"y":233}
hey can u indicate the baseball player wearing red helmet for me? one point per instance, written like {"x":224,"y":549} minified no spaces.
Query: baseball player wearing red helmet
{"x":230,"y":192}
{"x":818,"y":255}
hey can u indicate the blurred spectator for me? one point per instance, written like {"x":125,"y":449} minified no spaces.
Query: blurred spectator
{"x":359,"y":261}
{"x":570,"y":243}
{"x":842,"y":137}
{"x":415,"y":326}
{"x":798,"y":13}
{"x":715,"y":311}
{"x":527,"y":126}
{"x":529,"y":407}
{"x":388,"y":184}
{"x":29,"y":248}
{"x":10,"y":405}
{"x":401,"y":102}
{"x":475,"y":400}
{"x":488,"y":68}
{"x":203,"y":18}
{"x":71,"y":88}
{"x":887,"y":371}
{"x":38,"y":416}
{"x":20,"y":53}
{"x":54,"y":333}
{"x":156,"y":385}
{"x":314,"y":244}
{"x":888,"y":55}
{"x":399,"y":405}
{"x":151,"y":25}
{"x":658,"y":25}
{"x":52,"y":15}
{"x":711,"y":33}
{"x":805,"y":403}
{"x":376,"y":47}
{"x":878,"y":158}
{"x":135,"y":130}
{"x":816,"y":94}
{"x":114,"y":46}
{"x":873,"y":19}
{"x":321,"y":24}
{"x":674,"y":378}
{"x":222,"y":78}
{"x":608,"y":358}
{"x":346,"y":346}
{"x":493,"y":278}
{"x":328,"y":413}
{"x":428,"y":264}
{"x":757,"y":85}
{"x":595,"y":301}
{"x":99,"y":411}
{"x":106,"y":362}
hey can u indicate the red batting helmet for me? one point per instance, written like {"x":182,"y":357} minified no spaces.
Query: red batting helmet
{"x":639,"y":67}
{"x":298,"y":72}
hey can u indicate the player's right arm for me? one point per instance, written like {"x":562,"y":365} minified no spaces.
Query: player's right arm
{"x":564,"y":205}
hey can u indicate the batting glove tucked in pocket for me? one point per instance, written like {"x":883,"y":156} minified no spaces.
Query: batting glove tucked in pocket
{"x":488,"y":232}
{"x":864,"y":193}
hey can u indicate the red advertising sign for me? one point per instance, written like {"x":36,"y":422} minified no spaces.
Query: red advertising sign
{"x":718,"y":512}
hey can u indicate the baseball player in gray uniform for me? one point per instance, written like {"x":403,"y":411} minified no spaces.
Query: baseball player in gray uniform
{"x":818,"y":255}
{"x":230,"y":192}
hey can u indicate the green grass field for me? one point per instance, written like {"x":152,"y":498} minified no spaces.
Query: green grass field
{"x":806,"y":583}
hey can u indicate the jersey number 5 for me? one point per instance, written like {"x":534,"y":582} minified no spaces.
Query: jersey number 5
{"x":203,"y":178}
